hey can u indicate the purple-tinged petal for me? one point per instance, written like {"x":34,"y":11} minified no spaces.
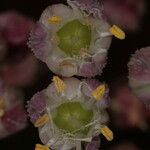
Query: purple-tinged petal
{"x":39,"y":42}
{"x":38,"y":101}
{"x":139,"y":65}
{"x":94,"y":144}
{"x":139,"y":74}
{"x":91,"y":84}
{"x":90,"y":6}
{"x":88,"y":70}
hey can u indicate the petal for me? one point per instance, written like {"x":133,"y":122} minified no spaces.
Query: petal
{"x":139,"y":65}
{"x":38,"y":101}
{"x":88,"y":70}
{"x":94,"y":144}
{"x":72,"y":88}
{"x":89,"y":85}
{"x":60,"y":10}
{"x":53,"y":95}
{"x":100,"y":60}
{"x":53,"y":60}
{"x":101,"y":35}
{"x":68,"y":67}
{"x":91,"y":6}
{"x":39,"y":42}
{"x":87,"y":88}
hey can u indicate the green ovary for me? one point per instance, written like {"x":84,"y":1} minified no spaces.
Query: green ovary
{"x":71,"y":116}
{"x":73,"y":36}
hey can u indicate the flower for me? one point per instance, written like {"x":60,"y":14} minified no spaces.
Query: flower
{"x":130,"y":10}
{"x":15,"y":57}
{"x":139,"y":74}
{"x":12,"y":113}
{"x":70,"y":42}
{"x":127,"y":110}
{"x":15,"y":27}
{"x":94,"y":7}
{"x":70,"y":116}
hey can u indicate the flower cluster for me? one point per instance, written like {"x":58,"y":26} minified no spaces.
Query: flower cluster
{"x":72,"y":41}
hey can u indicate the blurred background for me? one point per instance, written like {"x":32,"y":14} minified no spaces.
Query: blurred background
{"x":20,"y":69}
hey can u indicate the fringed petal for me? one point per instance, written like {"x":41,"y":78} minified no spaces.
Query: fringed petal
{"x":39,"y":42}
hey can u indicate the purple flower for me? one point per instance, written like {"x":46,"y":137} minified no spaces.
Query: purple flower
{"x":139,"y":74}
{"x":70,"y":42}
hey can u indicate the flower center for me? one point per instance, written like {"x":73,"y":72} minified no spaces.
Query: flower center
{"x":74,"y":36}
{"x":72,"y":117}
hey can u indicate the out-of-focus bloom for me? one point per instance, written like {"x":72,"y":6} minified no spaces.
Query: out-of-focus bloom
{"x":14,"y":27}
{"x":124,"y":13}
{"x":139,"y":74}
{"x":70,"y":42}
{"x":71,"y":116}
{"x":125,"y":146}
{"x":12,"y":113}
{"x":17,"y":64}
{"x":127,"y":110}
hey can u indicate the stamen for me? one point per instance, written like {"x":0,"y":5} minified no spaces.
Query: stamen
{"x":41,"y":147}
{"x":117,"y":32}
{"x":105,"y":34}
{"x":99,"y":92}
{"x":54,"y":20}
{"x":107,"y":133}
{"x":42,"y":120}
{"x":59,"y":84}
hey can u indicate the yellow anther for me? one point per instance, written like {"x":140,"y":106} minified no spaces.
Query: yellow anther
{"x":2,"y":112}
{"x":107,"y":133}
{"x":59,"y":84}
{"x":54,"y":20}
{"x":117,"y":32}
{"x":42,"y":120}
{"x":41,"y":147}
{"x":99,"y":92}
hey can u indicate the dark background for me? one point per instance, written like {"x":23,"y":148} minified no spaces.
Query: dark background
{"x":118,"y":57}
